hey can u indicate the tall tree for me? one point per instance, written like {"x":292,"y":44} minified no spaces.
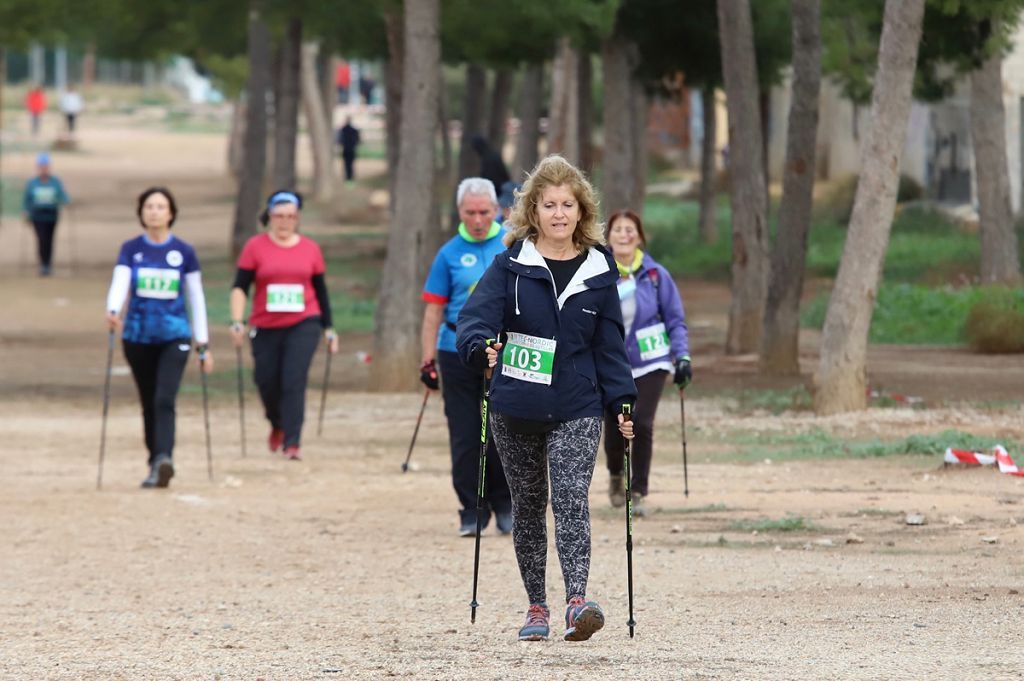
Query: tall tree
{"x":396,"y":335}
{"x":780,"y":339}
{"x":472,"y":118}
{"x":840,"y":380}
{"x":746,"y":172}
{"x":320,"y":132}
{"x":286,"y":104}
{"x":497,"y":114}
{"x":531,"y":95}
{"x":707,"y":227}
{"x":393,"y":67}
{"x":254,"y":150}
{"x":619,"y":59}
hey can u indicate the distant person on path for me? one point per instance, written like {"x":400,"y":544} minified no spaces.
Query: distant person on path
{"x":559,"y":366}
{"x":492,"y":167}
{"x":657,"y":345}
{"x":71,"y":107}
{"x":348,"y":140}
{"x":506,"y":198}
{"x":35,"y":103}
{"x":290,"y":310}
{"x":454,"y":274}
{"x":41,"y":202}
{"x":155,"y":273}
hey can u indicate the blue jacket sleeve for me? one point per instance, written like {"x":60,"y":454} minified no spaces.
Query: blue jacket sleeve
{"x":483,"y":314}
{"x":62,"y":195}
{"x":614,"y":374}
{"x":672,"y":314}
{"x":26,"y":198}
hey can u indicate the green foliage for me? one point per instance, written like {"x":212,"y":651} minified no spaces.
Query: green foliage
{"x":995,"y":323}
{"x":909,"y":313}
{"x":789,"y":523}
{"x":817,"y":444}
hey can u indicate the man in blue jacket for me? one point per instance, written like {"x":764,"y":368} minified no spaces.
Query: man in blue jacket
{"x":457,"y":268}
{"x":44,"y":195}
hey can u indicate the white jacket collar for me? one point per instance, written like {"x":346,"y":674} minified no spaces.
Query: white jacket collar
{"x":594,"y":265}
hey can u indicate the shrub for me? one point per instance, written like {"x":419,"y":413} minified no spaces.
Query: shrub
{"x":837,"y":203}
{"x":995,"y":323}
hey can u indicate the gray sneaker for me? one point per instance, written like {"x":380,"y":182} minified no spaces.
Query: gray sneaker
{"x":160,"y":473}
{"x":617,"y":491}
{"x":639,"y":505}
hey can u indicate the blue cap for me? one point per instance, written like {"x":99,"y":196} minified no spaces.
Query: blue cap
{"x":282,"y":197}
{"x":43,"y":159}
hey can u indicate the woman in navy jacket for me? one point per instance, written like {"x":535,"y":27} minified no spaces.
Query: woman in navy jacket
{"x":656,"y":343}
{"x":552,"y":302}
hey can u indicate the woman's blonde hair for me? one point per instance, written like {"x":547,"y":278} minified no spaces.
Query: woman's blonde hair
{"x":554,"y":171}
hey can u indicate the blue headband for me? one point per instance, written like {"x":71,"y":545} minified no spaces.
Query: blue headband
{"x":282,"y":197}
{"x":43,"y":159}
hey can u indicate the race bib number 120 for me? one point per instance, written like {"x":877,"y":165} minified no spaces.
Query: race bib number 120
{"x":528,"y":358}
{"x":653,"y":341}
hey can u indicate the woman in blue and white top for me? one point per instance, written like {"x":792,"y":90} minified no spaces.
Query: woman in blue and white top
{"x":154,"y":273}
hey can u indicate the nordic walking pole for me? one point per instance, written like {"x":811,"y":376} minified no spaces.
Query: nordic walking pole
{"x":206,"y":414}
{"x":415,"y":432}
{"x":631,"y":623}
{"x":73,"y":239}
{"x":241,"y":397}
{"x":323,"y":394}
{"x":106,"y":408}
{"x":480,"y":485}
{"x":686,"y":475}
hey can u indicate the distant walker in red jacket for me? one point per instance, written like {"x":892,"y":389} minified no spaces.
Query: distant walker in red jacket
{"x":35,"y":102}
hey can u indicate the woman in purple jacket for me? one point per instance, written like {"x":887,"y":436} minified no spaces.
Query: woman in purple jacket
{"x":656,"y":344}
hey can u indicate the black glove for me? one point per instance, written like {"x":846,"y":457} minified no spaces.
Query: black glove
{"x":428,"y":375}
{"x":478,"y":355}
{"x":684,"y":373}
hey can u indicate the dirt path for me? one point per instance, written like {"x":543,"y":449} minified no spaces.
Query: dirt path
{"x":340,"y":566}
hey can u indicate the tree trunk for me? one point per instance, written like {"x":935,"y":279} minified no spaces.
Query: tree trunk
{"x":89,"y":67}
{"x":393,"y":96}
{"x":320,"y":133}
{"x":531,"y":96}
{"x":619,"y":158}
{"x":708,"y":174}
{"x":248,"y":201}
{"x":840,"y":381}
{"x":397,"y":342}
{"x":328,"y":92}
{"x":563,"y":117}
{"x":746,"y":169}
{"x":472,"y":119}
{"x":641,"y":111}
{"x":585,"y":112}
{"x":780,"y":349}
{"x":286,"y":109}
{"x":1000,"y":259}
{"x":447,"y":166}
{"x":236,"y":138}
{"x":501,"y":96}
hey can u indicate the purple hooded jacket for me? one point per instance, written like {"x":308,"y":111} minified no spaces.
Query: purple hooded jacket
{"x":657,"y":300}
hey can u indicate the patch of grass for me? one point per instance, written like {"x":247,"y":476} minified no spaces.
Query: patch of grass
{"x":774,"y":401}
{"x":817,"y":444}
{"x":688,"y":510}
{"x":789,"y":523}
{"x":907,"y":313}
{"x":878,"y":512}
{"x":12,"y":188}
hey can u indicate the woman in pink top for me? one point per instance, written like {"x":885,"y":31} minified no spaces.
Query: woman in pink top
{"x":290,"y":309}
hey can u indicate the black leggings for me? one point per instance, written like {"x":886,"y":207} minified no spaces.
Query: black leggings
{"x":648,"y":388}
{"x":157,"y":369}
{"x":282,"y":358}
{"x":45,"y":229}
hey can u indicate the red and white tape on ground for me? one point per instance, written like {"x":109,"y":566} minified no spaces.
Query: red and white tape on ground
{"x":998,"y":456}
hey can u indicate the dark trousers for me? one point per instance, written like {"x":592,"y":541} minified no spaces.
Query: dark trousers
{"x":157,"y":369}
{"x":648,"y":388}
{"x":462,"y":388}
{"x":282,"y":358}
{"x":45,"y":229}
{"x":70,"y":118}
{"x":349,"y":161}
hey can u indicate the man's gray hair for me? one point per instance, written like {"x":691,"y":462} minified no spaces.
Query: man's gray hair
{"x":476,"y":186}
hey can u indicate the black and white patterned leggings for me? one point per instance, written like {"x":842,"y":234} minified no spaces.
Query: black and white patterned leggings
{"x":569,"y":453}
